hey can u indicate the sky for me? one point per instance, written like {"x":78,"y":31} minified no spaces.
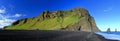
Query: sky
{"x":105,"y":12}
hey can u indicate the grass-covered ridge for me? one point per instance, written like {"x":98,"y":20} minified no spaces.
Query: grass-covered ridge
{"x":58,"y":22}
{"x":74,"y":19}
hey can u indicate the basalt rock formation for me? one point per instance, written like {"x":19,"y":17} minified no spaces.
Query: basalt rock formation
{"x":76,"y":19}
{"x":108,"y":30}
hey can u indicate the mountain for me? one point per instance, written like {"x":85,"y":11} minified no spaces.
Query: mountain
{"x":76,"y":19}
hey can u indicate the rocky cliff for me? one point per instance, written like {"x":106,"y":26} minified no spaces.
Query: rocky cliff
{"x":76,"y":19}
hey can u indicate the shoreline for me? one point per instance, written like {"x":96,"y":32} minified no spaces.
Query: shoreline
{"x":107,"y":39}
{"x":107,"y":36}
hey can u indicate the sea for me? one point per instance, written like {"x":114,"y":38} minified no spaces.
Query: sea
{"x":110,"y":35}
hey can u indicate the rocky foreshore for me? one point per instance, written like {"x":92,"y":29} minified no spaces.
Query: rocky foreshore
{"x":40,"y":35}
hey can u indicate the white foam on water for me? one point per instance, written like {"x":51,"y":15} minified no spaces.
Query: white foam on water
{"x":109,"y":36}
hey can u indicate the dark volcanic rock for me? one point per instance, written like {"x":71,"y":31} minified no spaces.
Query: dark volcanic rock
{"x":108,"y":30}
{"x":49,"y":36}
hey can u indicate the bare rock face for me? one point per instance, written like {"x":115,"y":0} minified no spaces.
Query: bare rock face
{"x":76,"y":19}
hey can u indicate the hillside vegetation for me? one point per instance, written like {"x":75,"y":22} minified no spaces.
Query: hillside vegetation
{"x":74,"y":19}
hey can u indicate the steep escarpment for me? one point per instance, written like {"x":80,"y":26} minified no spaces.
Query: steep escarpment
{"x":77,"y":19}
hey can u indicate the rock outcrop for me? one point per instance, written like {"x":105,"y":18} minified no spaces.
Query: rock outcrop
{"x":108,"y":30}
{"x":77,"y":19}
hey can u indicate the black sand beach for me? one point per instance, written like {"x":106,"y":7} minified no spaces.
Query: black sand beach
{"x":36,"y":35}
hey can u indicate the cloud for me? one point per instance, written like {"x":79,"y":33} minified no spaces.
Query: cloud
{"x":2,"y":10}
{"x":7,"y":19}
{"x":108,"y":9}
{"x":18,"y":15}
{"x":6,"y":22}
{"x":13,"y":16}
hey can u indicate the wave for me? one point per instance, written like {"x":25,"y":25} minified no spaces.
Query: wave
{"x":109,"y":36}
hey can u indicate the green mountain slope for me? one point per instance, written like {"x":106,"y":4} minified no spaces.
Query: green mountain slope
{"x":74,"y":19}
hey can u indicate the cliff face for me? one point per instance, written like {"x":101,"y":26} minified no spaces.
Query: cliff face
{"x":77,"y":19}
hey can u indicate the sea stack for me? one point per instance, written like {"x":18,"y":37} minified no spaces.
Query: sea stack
{"x":108,"y":30}
{"x":115,"y":30}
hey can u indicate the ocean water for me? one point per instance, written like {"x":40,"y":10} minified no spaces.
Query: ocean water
{"x":110,"y":35}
